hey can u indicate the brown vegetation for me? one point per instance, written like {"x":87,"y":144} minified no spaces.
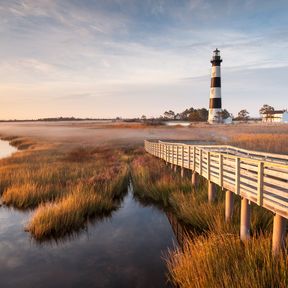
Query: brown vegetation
{"x":224,"y":261}
{"x":213,"y":255}
{"x":268,"y":142}
{"x":68,"y":186}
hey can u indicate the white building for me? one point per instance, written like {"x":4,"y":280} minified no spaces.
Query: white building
{"x":277,"y":116}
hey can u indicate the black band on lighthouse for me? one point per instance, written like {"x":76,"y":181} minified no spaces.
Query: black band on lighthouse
{"x":216,"y":82}
{"x":215,"y":103}
{"x":216,"y":63}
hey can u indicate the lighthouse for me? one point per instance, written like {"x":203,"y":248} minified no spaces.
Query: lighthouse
{"x":215,"y":105}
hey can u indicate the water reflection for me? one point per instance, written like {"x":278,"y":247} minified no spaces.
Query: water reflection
{"x":125,"y":250}
{"x":6,"y":149}
{"x":180,"y":232}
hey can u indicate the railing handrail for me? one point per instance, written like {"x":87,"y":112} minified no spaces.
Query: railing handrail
{"x":251,"y":153}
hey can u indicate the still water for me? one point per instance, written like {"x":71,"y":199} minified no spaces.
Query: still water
{"x":125,"y":250}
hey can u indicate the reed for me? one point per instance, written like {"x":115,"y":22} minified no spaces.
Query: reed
{"x":224,"y":261}
{"x":68,"y":185}
{"x":153,"y":181}
{"x":272,"y":142}
{"x":70,"y":213}
{"x":213,"y":255}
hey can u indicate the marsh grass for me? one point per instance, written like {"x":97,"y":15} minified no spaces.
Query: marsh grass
{"x":223,"y":260}
{"x":272,"y":142}
{"x":155,"y":182}
{"x":213,"y":255}
{"x":70,"y":213}
{"x":66,"y":186}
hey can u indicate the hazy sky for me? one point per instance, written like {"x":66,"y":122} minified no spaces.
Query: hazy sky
{"x":106,"y":58}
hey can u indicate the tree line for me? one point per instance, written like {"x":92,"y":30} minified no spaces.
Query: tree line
{"x":192,"y":114}
{"x":201,"y":114}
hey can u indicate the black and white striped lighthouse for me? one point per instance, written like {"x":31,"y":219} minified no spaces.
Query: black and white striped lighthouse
{"x":215,"y":105}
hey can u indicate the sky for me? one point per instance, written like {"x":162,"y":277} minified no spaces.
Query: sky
{"x":127,"y":58}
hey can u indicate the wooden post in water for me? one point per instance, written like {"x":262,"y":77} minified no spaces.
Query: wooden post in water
{"x":279,"y":232}
{"x":229,"y":204}
{"x":211,"y":192}
{"x":245,"y":219}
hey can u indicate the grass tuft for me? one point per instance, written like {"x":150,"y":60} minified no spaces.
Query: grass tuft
{"x":224,"y":261}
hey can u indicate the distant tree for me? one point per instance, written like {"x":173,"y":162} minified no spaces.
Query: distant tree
{"x":203,"y":114}
{"x":243,"y":115}
{"x":197,"y":115}
{"x":266,"y":111}
{"x":178,"y":116}
{"x":143,"y":117}
{"x":185,"y":114}
{"x":169,"y":114}
{"x":226,"y":114}
{"x":194,"y":116}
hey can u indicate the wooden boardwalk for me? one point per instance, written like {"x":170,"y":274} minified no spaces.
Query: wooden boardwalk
{"x":261,"y":178}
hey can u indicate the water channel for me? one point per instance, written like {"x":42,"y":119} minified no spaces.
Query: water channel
{"x":126,"y":250}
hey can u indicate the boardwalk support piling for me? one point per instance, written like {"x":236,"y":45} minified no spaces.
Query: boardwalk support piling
{"x":229,"y":203}
{"x":279,"y":231}
{"x":182,"y":172}
{"x":194,"y":179}
{"x":245,"y":220}
{"x":211,"y":192}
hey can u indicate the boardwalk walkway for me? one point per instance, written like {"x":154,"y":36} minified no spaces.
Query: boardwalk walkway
{"x":257,"y":177}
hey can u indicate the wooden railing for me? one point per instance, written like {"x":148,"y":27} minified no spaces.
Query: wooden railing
{"x":261,"y":178}
{"x":262,"y":182}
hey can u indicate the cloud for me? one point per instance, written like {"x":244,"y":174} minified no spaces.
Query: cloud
{"x":65,"y":49}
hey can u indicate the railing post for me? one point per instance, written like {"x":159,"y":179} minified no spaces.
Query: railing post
{"x":171,"y":148}
{"x":208,"y":165}
{"x":260,"y":183}
{"x":279,"y":232}
{"x":194,"y":159}
{"x":189,"y":156}
{"x":221,"y":170}
{"x":237,"y":176}
{"x":194,"y":173}
{"x":182,"y":163}
{"x":200,"y":162}
{"x":175,"y":159}
{"x":229,"y":204}
{"x":245,"y":219}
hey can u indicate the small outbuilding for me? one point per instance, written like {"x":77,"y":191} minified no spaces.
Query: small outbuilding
{"x":276,"y":116}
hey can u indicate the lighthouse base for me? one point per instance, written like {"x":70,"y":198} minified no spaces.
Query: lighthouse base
{"x":215,"y":116}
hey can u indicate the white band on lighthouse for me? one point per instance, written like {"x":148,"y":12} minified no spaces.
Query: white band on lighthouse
{"x":216,"y":71}
{"x":215,"y":92}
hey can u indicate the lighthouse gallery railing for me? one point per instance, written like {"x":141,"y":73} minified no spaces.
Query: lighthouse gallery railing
{"x":259,"y":177}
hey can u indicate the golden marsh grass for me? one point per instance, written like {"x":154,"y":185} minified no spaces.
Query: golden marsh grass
{"x":224,"y":261}
{"x":210,"y":236}
{"x":67,"y":186}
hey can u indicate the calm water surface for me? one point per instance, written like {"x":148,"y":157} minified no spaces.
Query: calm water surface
{"x":125,"y":250}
